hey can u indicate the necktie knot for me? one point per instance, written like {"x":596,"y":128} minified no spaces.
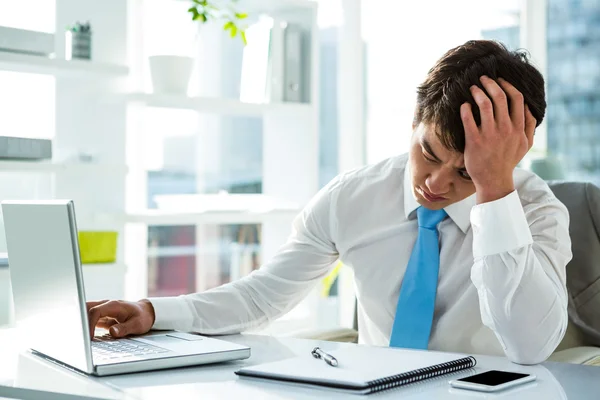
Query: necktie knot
{"x":429,"y":219}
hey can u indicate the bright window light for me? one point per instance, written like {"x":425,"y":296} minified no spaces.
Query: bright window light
{"x":404,"y":39}
{"x":35,"y":15}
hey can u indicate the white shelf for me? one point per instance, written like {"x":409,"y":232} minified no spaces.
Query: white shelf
{"x":162,"y":217}
{"x":100,"y":267}
{"x":58,"y":67}
{"x":52,"y":167}
{"x":215,"y":105}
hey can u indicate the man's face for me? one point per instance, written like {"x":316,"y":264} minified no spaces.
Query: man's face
{"x":439,"y":177}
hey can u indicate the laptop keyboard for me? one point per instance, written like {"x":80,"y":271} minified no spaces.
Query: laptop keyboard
{"x":106,"y":348}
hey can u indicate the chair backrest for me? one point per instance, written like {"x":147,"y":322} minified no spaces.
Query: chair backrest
{"x":583,"y":272}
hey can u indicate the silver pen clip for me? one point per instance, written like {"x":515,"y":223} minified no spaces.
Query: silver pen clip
{"x":328,"y":358}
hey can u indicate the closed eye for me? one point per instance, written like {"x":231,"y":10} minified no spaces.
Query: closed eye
{"x":464,"y":174}
{"x":429,"y":159}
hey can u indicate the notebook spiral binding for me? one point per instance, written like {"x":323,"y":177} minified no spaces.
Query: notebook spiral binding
{"x":421,"y":374}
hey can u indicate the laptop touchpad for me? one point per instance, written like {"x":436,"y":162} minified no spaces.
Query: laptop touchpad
{"x":163,"y":340}
{"x":185,"y":336}
{"x":172,"y":338}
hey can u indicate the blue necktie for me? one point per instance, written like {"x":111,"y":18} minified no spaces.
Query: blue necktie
{"x":414,"y":313}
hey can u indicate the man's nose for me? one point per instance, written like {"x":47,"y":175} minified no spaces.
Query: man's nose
{"x":438,"y":182}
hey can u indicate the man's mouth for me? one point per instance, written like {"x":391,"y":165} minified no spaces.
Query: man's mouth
{"x":430,"y":197}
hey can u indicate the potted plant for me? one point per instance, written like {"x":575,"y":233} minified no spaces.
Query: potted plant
{"x":171,"y":74}
{"x":223,"y":11}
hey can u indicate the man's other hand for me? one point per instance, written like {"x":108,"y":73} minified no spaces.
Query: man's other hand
{"x":121,"y":318}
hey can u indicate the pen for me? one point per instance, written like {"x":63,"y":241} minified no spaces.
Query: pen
{"x":328,"y":358}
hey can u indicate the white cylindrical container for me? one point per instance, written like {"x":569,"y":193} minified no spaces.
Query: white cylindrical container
{"x":171,"y":74}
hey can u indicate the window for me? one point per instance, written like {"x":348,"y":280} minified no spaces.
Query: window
{"x":330,"y":18}
{"x":404,"y":40}
{"x":573,"y":115}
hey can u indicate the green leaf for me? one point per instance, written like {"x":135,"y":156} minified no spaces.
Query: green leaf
{"x":241,"y":15}
{"x":243,"y":36}
{"x":197,"y":1}
{"x":233,"y":31}
{"x":194,"y":13}
{"x":200,"y":17}
{"x":228,"y":25}
{"x":192,"y":9}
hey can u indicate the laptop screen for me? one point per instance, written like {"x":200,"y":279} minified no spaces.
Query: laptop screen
{"x":45,"y":269}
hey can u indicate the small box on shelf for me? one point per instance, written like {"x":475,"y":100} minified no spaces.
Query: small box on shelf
{"x":79,"y":42}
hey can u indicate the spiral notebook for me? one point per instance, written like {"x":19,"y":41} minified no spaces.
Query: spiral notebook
{"x":361,"y":369}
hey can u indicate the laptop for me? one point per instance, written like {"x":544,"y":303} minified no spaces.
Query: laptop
{"x":50,"y":303}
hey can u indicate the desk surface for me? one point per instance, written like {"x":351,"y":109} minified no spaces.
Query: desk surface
{"x":24,"y":375}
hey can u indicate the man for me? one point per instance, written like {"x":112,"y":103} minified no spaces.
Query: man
{"x":452,"y":247}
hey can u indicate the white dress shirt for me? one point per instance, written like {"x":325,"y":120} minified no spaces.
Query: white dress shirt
{"x":502,"y":280}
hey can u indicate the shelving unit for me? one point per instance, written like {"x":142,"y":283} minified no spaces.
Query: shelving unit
{"x":52,"y":167}
{"x":215,"y":105}
{"x":58,"y":67}
{"x":214,"y":217}
{"x":99,"y":105}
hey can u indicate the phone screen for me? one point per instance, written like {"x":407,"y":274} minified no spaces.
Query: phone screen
{"x":493,"y":378}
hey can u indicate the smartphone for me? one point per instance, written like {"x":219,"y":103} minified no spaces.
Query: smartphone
{"x":492,"y":381}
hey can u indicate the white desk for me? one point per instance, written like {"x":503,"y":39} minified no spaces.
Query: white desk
{"x":22,"y":374}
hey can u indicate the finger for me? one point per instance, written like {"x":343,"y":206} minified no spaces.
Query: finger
{"x":486,"y":109}
{"x":91,"y":304}
{"x":105,"y":323}
{"x":530,"y":124}
{"x":517,"y":104}
{"x":499,"y":99}
{"x":466,"y":115}
{"x":112,"y":309}
{"x":130,"y":327}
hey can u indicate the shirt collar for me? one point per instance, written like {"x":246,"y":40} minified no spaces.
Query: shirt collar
{"x":459,"y":212}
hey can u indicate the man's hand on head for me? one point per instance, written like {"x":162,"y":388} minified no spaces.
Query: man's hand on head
{"x":493,"y":149}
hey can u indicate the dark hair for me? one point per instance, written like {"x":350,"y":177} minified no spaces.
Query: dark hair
{"x":447,"y":86}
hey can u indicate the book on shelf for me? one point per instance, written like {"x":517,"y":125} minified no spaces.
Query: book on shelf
{"x":16,"y":148}
{"x":276,"y":63}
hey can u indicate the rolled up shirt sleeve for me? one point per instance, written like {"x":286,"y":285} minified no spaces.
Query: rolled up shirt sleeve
{"x":265,"y":294}
{"x":520,"y":253}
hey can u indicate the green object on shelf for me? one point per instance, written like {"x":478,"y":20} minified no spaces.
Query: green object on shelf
{"x":98,"y":247}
